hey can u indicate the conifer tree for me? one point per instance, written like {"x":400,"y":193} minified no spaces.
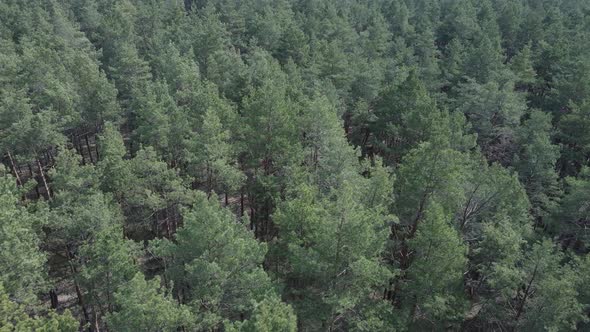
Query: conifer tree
{"x":536,"y":162}
{"x":21,"y":260}
{"x":13,"y":317}
{"x":214,"y":264}
{"x":143,"y":305}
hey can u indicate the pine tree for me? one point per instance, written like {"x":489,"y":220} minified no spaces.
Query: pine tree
{"x":574,"y":138}
{"x":143,"y":305}
{"x":536,"y":162}
{"x":433,"y":281}
{"x":571,"y":218}
{"x":269,"y":138}
{"x":547,"y":298}
{"x":114,"y":170}
{"x":329,"y":254}
{"x":21,"y":260}
{"x":494,"y":112}
{"x":269,"y":315}
{"x":130,"y":73}
{"x":522,"y":65}
{"x":80,"y":213}
{"x":215,"y":264}
{"x":214,"y":158}
{"x":27,"y":132}
{"x":13,"y":317}
{"x":108,"y":262}
{"x":154,"y":109}
{"x":155,"y":194}
{"x":405,"y":116}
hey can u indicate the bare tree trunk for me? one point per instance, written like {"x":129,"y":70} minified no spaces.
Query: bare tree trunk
{"x":78,"y":145}
{"x":96,"y":326}
{"x":37,"y":186}
{"x":44,"y":179}
{"x":167,"y":222}
{"x":15,"y":170}
{"x":77,"y":287}
{"x":155,"y":224}
{"x":242,"y":202}
{"x":54,"y":299}
{"x":96,"y":150}
{"x":88,"y":148}
{"x":526,"y":294}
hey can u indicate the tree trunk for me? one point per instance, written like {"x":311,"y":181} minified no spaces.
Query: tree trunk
{"x":96,"y":325}
{"x":14,"y":169}
{"x":54,"y":299}
{"x":242,"y":202}
{"x":526,"y":294}
{"x":88,"y":148}
{"x":96,"y":150}
{"x":44,"y":179}
{"x":80,"y":150}
{"x":167,"y":222}
{"x":37,"y":186}
{"x":77,"y":287}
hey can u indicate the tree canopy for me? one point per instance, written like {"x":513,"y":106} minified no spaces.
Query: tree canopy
{"x":294,"y":165}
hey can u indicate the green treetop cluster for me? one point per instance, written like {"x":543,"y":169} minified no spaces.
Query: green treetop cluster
{"x":294,"y":165}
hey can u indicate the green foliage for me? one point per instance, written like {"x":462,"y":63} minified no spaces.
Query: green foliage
{"x":429,"y":173}
{"x":21,"y":260}
{"x":215,"y":264}
{"x":14,"y":318}
{"x":404,"y":117}
{"x":114,"y":170}
{"x":522,"y":66}
{"x":216,"y":157}
{"x":329,"y":252}
{"x":142,"y":305}
{"x":494,"y":111}
{"x":269,"y":315}
{"x":536,"y":163}
{"x":552,"y":302}
{"x":302,"y":113}
{"x":434,"y":279}
{"x":26,"y":132}
{"x":109,"y":261}
{"x":571,"y":218}
{"x":574,"y":138}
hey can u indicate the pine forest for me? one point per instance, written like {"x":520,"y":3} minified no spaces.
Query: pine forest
{"x":294,"y":165}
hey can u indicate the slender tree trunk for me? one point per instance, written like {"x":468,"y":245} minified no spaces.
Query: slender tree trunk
{"x":419,"y":213}
{"x":414,"y":309}
{"x":155,"y":224}
{"x":77,"y":287}
{"x":78,"y":145}
{"x":242,"y":202}
{"x":54,"y":299}
{"x":96,"y":150}
{"x":88,"y":148}
{"x":14,"y":169}
{"x":174,"y":222}
{"x":37,"y":186}
{"x":44,"y":179}
{"x":526,"y":294}
{"x":96,"y":325}
{"x":167,"y":222}
{"x":467,"y":205}
{"x":251,"y":217}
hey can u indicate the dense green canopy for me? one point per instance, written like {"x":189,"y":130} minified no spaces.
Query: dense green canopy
{"x":294,"y":165}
